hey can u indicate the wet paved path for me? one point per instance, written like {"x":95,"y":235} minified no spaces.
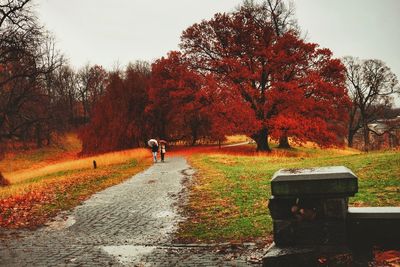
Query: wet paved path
{"x":130,"y":224}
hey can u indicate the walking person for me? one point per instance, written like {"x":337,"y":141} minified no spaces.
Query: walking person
{"x":154,"y":150}
{"x":162,"y":151}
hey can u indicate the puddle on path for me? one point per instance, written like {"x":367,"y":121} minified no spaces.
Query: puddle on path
{"x":128,"y":254}
{"x":61,"y":223}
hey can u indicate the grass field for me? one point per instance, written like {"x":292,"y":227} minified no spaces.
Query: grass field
{"x":46,"y":181}
{"x":228,"y":199}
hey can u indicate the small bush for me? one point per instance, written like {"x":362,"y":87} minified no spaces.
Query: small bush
{"x":3,"y":181}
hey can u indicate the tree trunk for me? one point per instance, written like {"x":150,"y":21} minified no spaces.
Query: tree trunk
{"x":194,"y":141}
{"x":366,"y":137}
{"x":284,"y":141}
{"x":39,"y":136}
{"x":194,"y":134}
{"x":261,"y":138}
{"x":350,"y":138}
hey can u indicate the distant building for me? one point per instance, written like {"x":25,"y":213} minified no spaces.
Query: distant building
{"x":385,"y":133}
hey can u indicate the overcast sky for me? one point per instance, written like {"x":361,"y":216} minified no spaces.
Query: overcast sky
{"x":118,"y":31}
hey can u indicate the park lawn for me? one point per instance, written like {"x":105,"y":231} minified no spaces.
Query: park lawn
{"x":38,"y":191}
{"x":229,"y":194}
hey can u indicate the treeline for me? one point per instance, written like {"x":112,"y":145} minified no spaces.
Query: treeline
{"x":249,"y":72}
{"x":40,"y":95}
{"x":244,"y":72}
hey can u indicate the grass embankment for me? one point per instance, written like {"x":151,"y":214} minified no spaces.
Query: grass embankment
{"x":65,"y":149}
{"x":229,"y":196}
{"x":46,"y":181}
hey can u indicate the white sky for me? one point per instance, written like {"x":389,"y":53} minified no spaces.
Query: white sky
{"x":118,"y":31}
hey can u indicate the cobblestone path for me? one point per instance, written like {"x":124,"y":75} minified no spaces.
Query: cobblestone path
{"x":130,"y":224}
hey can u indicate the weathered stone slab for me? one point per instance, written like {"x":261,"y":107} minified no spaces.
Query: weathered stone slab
{"x":300,"y":256}
{"x":290,"y":256}
{"x":374,"y":225}
{"x":389,"y":213}
{"x":321,"y":181}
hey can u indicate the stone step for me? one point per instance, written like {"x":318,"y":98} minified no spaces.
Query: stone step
{"x":336,"y":181}
{"x":374,"y":225}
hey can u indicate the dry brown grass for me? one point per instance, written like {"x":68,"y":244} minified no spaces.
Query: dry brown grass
{"x":306,"y":151}
{"x":233,"y":139}
{"x":48,"y":180}
{"x":23,"y":165}
{"x":65,"y":149}
{"x":78,"y":164}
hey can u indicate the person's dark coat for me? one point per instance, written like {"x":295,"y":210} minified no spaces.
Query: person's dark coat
{"x":154,"y":148}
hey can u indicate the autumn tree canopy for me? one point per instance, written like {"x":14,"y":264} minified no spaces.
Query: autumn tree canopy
{"x":184,"y":107}
{"x":176,"y":106}
{"x":287,"y":86}
{"x":244,"y":72}
{"x":118,"y":120}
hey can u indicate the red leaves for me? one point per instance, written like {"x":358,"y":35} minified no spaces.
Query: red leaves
{"x":387,"y":258}
{"x":181,"y":106}
{"x":118,"y":121}
{"x":22,"y":210}
{"x":236,"y":74}
{"x":294,"y":88}
{"x":322,"y":260}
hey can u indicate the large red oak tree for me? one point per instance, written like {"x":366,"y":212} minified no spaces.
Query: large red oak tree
{"x":286,"y":86}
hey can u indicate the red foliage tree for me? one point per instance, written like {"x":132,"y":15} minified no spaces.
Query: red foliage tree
{"x":178,"y":106}
{"x":186,"y":105}
{"x":118,"y":120}
{"x":287,"y":87}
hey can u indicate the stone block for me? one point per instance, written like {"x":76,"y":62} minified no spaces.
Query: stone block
{"x":374,"y":225}
{"x":281,"y":208}
{"x":335,"y":232}
{"x":283,"y":231}
{"x":309,"y":256}
{"x":290,"y":256}
{"x":328,"y":182}
{"x":335,"y":208}
{"x":318,"y":232}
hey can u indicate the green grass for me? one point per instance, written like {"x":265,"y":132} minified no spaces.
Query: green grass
{"x":229,"y":197}
{"x":48,"y":176}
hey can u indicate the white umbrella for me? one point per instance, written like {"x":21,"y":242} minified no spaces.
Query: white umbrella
{"x":152,"y":142}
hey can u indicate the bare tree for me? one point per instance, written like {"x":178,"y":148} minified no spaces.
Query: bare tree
{"x":91,"y":85}
{"x":66,"y":90}
{"x":371,"y":85}
{"x":279,"y":13}
{"x":97,"y":84}
{"x":13,"y":16}
{"x":28,"y":59}
{"x":14,"y":12}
